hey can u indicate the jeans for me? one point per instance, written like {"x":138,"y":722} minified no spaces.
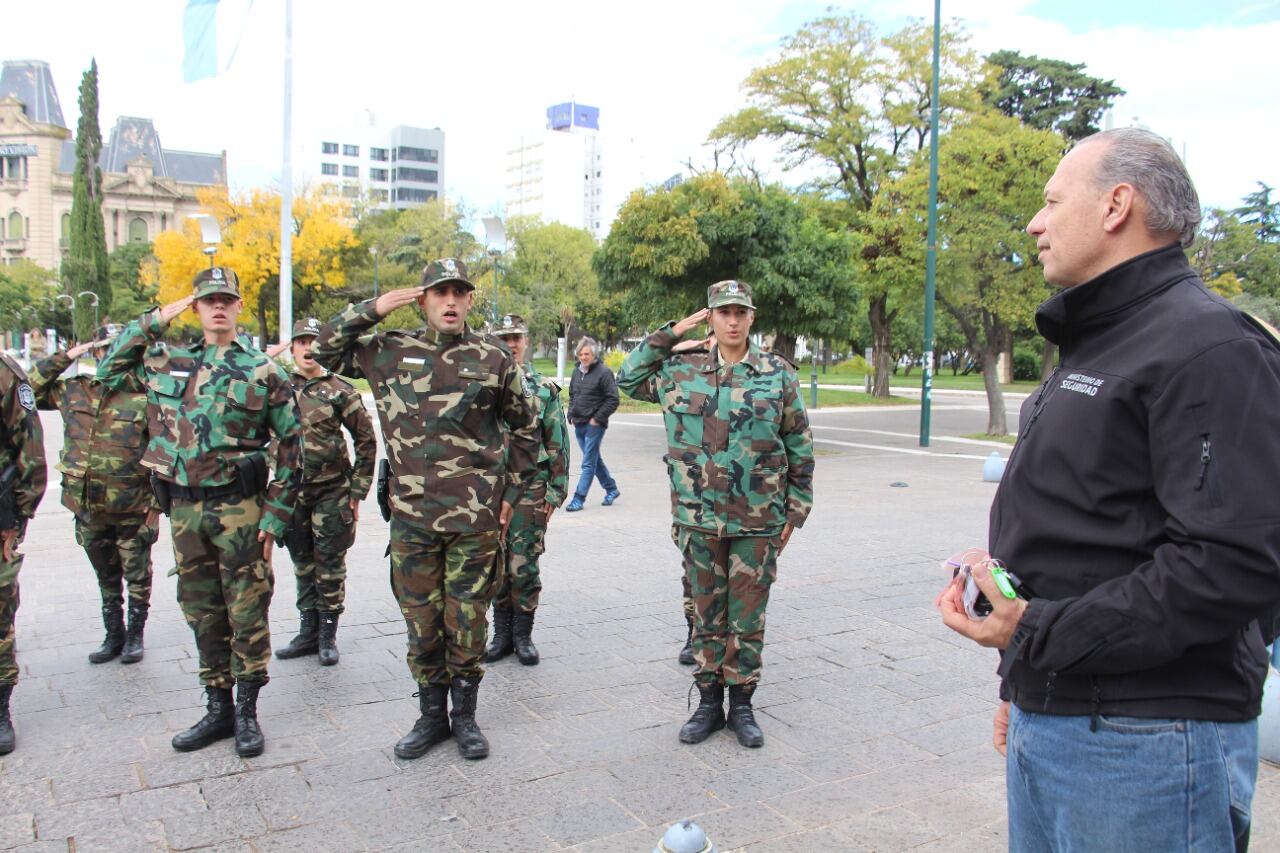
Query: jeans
{"x":1135,"y":784}
{"x":593,"y":467}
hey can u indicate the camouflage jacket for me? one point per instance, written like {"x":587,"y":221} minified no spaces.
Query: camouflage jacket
{"x":104,"y":436}
{"x":740,"y":454}
{"x":328,"y":403}
{"x":208,"y":407}
{"x":550,"y":482}
{"x":444,"y":403}
{"x":21,"y":439}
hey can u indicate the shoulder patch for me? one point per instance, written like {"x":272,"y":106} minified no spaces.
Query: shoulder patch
{"x":26,"y":397}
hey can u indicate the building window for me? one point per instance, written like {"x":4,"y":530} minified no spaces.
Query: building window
{"x":423,"y":176}
{"x":377,"y":174}
{"x":328,"y":168}
{"x":380,"y":195}
{"x":416,"y":196}
{"x":164,"y":222}
{"x":350,"y":171}
{"x":351,"y":151}
{"x":16,"y":231}
{"x":137,"y":230}
{"x":420,"y":155}
{"x":66,"y":226}
{"x":328,"y":148}
{"x":379,"y":154}
{"x":351,"y":191}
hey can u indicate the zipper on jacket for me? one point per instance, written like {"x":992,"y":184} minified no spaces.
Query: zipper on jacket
{"x":1048,"y":690}
{"x":1205,"y":458}
{"x":1041,"y":401}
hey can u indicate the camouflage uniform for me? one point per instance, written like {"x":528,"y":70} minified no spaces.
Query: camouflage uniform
{"x":444,"y":403}
{"x":324,"y":526}
{"x":106,"y":489}
{"x":21,"y":445}
{"x":740,"y":461}
{"x":516,"y":598}
{"x":213,"y":409}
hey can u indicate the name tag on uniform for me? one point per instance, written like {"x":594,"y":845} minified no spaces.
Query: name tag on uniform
{"x":413,"y":362}
{"x":180,"y":374}
{"x":472,"y":371}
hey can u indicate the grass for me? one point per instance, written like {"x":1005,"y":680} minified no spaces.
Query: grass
{"x":943,"y":380}
{"x":982,"y":436}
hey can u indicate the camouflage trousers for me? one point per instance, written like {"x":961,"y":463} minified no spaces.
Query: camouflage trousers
{"x":324,"y":528}
{"x":519,"y":585}
{"x":729,"y":579}
{"x":9,"y":612}
{"x":119,"y":549}
{"x":443,"y":583}
{"x":224,"y":586}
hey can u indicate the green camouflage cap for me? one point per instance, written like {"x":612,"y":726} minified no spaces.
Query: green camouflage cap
{"x":216,"y":280}
{"x":729,"y":293}
{"x":510,"y":324}
{"x":306,"y":328}
{"x":443,"y":271}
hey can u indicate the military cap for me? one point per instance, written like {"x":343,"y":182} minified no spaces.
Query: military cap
{"x":511,"y":324}
{"x":443,"y":271}
{"x":306,"y":328}
{"x":216,"y":280}
{"x":106,"y":334}
{"x":730,"y":293}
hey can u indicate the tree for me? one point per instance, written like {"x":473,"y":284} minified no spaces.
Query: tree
{"x":1262,"y":213}
{"x":323,"y":248}
{"x":1049,"y":94}
{"x":1231,"y":256}
{"x":667,"y":246}
{"x":853,"y":106}
{"x":85,"y":268}
{"x":992,"y":171}
{"x":27,"y":299}
{"x":130,"y":294}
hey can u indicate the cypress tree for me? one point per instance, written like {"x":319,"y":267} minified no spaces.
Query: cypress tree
{"x":86,"y":266}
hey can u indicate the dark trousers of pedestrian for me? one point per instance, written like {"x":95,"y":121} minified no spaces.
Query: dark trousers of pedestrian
{"x":593,"y":467}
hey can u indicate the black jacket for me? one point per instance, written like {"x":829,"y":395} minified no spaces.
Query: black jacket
{"x":593,"y":394}
{"x":1141,"y":504}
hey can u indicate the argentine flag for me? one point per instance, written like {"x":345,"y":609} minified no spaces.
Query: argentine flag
{"x":207,"y":52}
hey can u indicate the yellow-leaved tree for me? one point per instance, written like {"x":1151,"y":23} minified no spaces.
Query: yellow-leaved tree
{"x":323,"y":244}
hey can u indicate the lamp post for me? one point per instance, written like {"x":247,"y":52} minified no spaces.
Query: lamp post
{"x":495,"y":237}
{"x":84,"y":293}
{"x":71,"y":307}
{"x":373,"y":250}
{"x":931,"y":240}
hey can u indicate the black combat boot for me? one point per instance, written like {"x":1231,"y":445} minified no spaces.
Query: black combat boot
{"x":522,"y":628}
{"x":113,"y":642}
{"x":308,"y":640}
{"x":708,"y":717}
{"x":742,"y":721}
{"x":432,"y":727}
{"x":472,"y":743}
{"x":249,"y":739}
{"x":133,"y":636}
{"x":328,"y":639}
{"x":7,"y":739}
{"x":500,"y":646}
{"x":217,"y":724}
{"x":686,"y":654}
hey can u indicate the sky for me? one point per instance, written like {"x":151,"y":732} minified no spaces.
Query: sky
{"x":662,"y":73}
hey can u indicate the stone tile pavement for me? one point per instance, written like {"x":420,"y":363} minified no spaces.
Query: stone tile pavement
{"x":877,"y":720}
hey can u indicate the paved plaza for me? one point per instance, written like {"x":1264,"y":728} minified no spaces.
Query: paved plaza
{"x":877,"y":718}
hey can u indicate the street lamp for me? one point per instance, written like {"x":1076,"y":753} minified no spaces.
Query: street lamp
{"x":85,"y":293}
{"x":495,"y":237}
{"x":373,"y":250}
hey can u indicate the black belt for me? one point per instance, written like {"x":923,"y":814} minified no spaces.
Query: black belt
{"x":203,"y":493}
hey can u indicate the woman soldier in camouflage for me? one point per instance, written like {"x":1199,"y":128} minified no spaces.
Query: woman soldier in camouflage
{"x":740,"y":459}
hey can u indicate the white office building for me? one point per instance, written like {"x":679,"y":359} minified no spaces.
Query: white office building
{"x":394,"y":167}
{"x":557,"y":173}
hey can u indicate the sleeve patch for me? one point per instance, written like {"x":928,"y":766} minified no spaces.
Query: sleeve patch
{"x":26,"y":397}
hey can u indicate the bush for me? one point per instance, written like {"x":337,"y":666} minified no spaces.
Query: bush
{"x":855,"y":366}
{"x":1026,"y":363}
{"x":613,"y":359}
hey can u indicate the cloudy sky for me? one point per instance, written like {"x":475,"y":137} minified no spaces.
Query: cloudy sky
{"x":662,"y":72}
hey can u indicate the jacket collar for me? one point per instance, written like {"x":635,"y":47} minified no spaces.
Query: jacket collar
{"x":1112,"y":295}
{"x":432,"y":336}
{"x":754,"y":359}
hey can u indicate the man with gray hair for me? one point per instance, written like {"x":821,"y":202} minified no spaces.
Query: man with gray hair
{"x":593,"y":397}
{"x":1139,"y":518}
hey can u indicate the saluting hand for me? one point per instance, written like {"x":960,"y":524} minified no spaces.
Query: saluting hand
{"x":79,"y":350}
{"x":688,"y":323}
{"x":393,"y":299}
{"x":275,"y":349}
{"x":695,"y":343}
{"x":173,"y":309}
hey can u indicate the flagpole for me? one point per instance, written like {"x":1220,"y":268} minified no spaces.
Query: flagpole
{"x":286,"y":184}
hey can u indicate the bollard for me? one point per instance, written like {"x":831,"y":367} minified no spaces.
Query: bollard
{"x":993,"y":468}
{"x":685,"y":837}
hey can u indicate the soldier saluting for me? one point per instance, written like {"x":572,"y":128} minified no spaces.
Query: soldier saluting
{"x":105,"y":486}
{"x":324,"y":519}
{"x":22,"y":481}
{"x":740,"y":458}
{"x":213,"y":409}
{"x":446,"y":401}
